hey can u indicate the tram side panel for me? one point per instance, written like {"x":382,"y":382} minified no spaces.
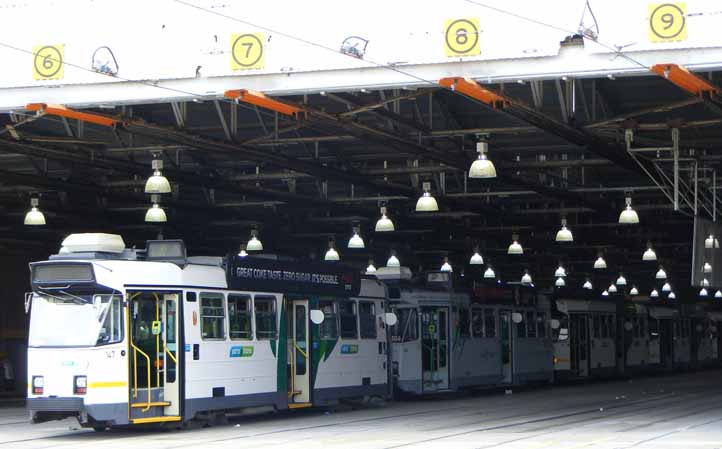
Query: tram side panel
{"x":406,"y":351}
{"x":533,"y":352}
{"x":476,"y":348}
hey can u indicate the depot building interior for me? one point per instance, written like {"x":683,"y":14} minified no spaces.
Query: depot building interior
{"x":303,"y":173}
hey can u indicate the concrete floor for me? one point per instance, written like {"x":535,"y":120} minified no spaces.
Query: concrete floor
{"x":680,"y":411}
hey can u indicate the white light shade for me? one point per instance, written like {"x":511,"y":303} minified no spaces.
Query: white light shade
{"x":384,"y":224}
{"x":649,"y":255}
{"x":560,"y":272}
{"x":242,"y":253}
{"x":34,"y":217}
{"x":621,"y":281}
{"x":254,"y":244}
{"x":600,"y":263}
{"x":157,"y":183}
{"x":587,"y":285}
{"x":628,"y":215}
{"x":371,"y":269}
{"x":634,"y":291}
{"x":703,"y":293}
{"x":526,"y":279}
{"x":666,"y":287}
{"x":356,"y":241}
{"x":560,"y":282}
{"x":331,"y":255}
{"x":661,"y":274}
{"x":605,"y":293}
{"x":476,"y":259}
{"x":672,"y":295}
{"x":709,"y":242}
{"x":393,"y":261}
{"x":612,"y":288}
{"x":515,"y":248}
{"x":654,"y":294}
{"x":482,"y":168}
{"x":155,"y":214}
{"x":718,"y":294}
{"x":446,"y":267}
{"x":489,"y":273}
{"x":705,"y":282}
{"x":426,"y":202}
{"x":564,"y":235}
{"x":707,"y":267}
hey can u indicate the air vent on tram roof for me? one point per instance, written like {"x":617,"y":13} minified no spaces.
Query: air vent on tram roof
{"x":173,"y":251}
{"x":393,"y":273}
{"x":93,"y":242}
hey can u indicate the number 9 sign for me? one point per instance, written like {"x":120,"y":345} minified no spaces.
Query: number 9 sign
{"x":461,"y":37}
{"x":667,"y":22}
{"x":247,"y":51}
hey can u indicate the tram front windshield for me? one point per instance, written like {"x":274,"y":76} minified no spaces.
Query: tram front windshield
{"x":62,"y":319}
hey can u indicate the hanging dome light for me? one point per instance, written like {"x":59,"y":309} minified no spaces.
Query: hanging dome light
{"x":600,"y":263}
{"x":705,"y":282}
{"x":634,"y":291}
{"x":384,"y":224}
{"x":526,"y":279}
{"x":605,"y":293}
{"x":560,"y":282}
{"x":476,"y":258}
{"x":242,"y":251}
{"x":666,"y":287}
{"x":649,"y":255}
{"x":482,"y":167}
{"x":628,"y":215}
{"x":707,"y":268}
{"x":426,"y":202}
{"x":612,"y":288}
{"x":587,"y":285}
{"x":157,"y":183}
{"x":718,"y":294}
{"x":34,"y":217}
{"x":446,"y":266}
{"x":371,"y":268}
{"x":489,"y":273}
{"x":709,"y":242}
{"x":356,"y":242}
{"x":621,"y":281}
{"x":515,"y":248}
{"x":703,"y":293}
{"x":564,"y":234}
{"x":560,"y":272}
{"x":654,"y":293}
{"x":672,"y":295}
{"x":661,"y":274}
{"x":393,"y":260}
{"x":254,"y":244}
{"x":331,"y":254}
{"x":155,"y":214}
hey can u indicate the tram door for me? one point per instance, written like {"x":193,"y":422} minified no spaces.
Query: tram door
{"x":579,"y":344}
{"x":435,"y":348}
{"x":155,"y":385}
{"x":506,"y":346}
{"x":300,"y":370}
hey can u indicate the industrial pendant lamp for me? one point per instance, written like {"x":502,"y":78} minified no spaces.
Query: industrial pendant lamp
{"x":157,"y":183}
{"x":628,"y":215}
{"x":612,"y":288}
{"x":705,"y":282}
{"x":709,"y":242}
{"x":587,"y":285}
{"x":560,"y":272}
{"x":446,"y":266}
{"x":654,"y":294}
{"x":560,"y":282}
{"x":476,"y":258}
{"x":666,"y":287}
{"x":384,"y":224}
{"x":621,"y":281}
{"x":703,"y":293}
{"x":661,"y":274}
{"x":671,"y":295}
{"x":242,"y":251}
{"x":155,"y":214}
{"x":356,"y":242}
{"x":34,"y":217}
{"x":649,"y":255}
{"x":515,"y":247}
{"x":605,"y":293}
{"x":707,"y":268}
{"x":633,"y":291}
{"x":600,"y":263}
{"x":482,"y":167}
{"x":426,"y":202}
{"x":489,"y":273}
{"x":331,"y":254}
{"x":718,"y":294}
{"x":393,"y":260}
{"x":564,"y":234}
{"x":254,"y":244}
{"x":371,"y":268}
{"x":526,"y":279}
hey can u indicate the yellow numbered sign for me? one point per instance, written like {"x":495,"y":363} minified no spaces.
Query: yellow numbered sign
{"x":667,"y":22}
{"x":48,"y":62}
{"x":461,"y":37}
{"x":247,"y":51}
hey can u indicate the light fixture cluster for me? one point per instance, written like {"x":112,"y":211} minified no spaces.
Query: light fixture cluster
{"x":156,"y":185}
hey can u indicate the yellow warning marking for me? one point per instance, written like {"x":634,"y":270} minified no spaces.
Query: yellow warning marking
{"x":667,"y":22}
{"x":48,"y":62}
{"x":156,"y":419}
{"x":461,"y":37}
{"x":114,"y":384}
{"x":247,"y":51}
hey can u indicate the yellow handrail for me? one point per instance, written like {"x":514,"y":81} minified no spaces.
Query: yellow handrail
{"x":157,"y":343}
{"x":303,"y":353}
{"x":135,"y":368}
{"x":170,"y":354}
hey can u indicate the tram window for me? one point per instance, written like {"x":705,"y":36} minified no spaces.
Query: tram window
{"x":521,"y":329}
{"x":464,"y":330}
{"x":530,"y":325}
{"x":367,"y":319}
{"x":489,"y":323}
{"x":477,"y":323}
{"x":597,"y":326}
{"x":653,"y":328}
{"x":347,"y":315}
{"x":407,"y":326}
{"x":212,"y":316}
{"x":265,"y":312}
{"x":541,"y":324}
{"x":603,"y":326}
{"x":612,"y":326}
{"x":111,"y":331}
{"x":643,"y":328}
{"x":676,"y":329}
{"x":329,"y":328}
{"x":239,"y":317}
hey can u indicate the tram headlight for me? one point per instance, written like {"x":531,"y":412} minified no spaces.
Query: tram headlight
{"x":80,"y":384}
{"x":38,"y":384}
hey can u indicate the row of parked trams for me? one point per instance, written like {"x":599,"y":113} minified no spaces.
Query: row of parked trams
{"x":123,"y":337}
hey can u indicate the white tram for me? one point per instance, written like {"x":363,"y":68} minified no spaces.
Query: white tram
{"x":122,"y":336}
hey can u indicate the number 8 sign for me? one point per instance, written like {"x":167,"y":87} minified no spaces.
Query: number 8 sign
{"x":247,"y":51}
{"x":461,"y":37}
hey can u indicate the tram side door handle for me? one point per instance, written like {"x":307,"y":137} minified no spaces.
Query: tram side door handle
{"x":196,"y":351}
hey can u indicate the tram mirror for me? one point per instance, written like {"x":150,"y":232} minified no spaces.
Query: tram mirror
{"x":628,"y":326}
{"x":317,"y":316}
{"x":155,"y":327}
{"x":554,"y":323}
{"x":390,"y":319}
{"x":517,"y":317}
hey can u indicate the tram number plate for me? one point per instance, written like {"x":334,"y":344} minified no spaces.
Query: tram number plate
{"x":667,"y":22}
{"x":461,"y":37}
{"x":247,"y":51}
{"x":48,"y":62}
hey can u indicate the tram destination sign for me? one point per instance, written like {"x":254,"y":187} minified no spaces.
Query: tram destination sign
{"x":267,"y":275}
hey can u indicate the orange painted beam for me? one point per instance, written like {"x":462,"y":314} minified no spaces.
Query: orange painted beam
{"x":261,"y":100}
{"x":62,"y":111}
{"x":472,"y":89}
{"x":684,"y":79}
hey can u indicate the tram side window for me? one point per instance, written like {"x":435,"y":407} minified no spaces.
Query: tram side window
{"x":676,"y":329}
{"x":239,"y":317}
{"x":603,"y":326}
{"x":212,"y":316}
{"x":367,"y":319}
{"x":489,"y":323}
{"x":265,"y":311}
{"x":477,"y":323}
{"x":530,"y":325}
{"x":464,"y":330}
{"x":541,"y":324}
{"x":406,"y":327}
{"x":329,"y":328}
{"x":612,"y":324}
{"x":643,"y":327}
{"x":111,"y":331}
{"x":597,"y":326}
{"x":347,"y":314}
{"x":521,"y":328}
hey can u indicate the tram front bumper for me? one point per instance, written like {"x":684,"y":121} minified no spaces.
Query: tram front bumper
{"x":50,"y":409}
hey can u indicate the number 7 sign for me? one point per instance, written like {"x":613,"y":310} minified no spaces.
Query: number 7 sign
{"x":247,"y":51}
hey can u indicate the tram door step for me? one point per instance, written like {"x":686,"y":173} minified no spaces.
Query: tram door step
{"x":300,"y":405}
{"x":152,"y":404}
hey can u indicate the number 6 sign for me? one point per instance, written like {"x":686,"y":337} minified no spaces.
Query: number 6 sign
{"x":48,"y":62}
